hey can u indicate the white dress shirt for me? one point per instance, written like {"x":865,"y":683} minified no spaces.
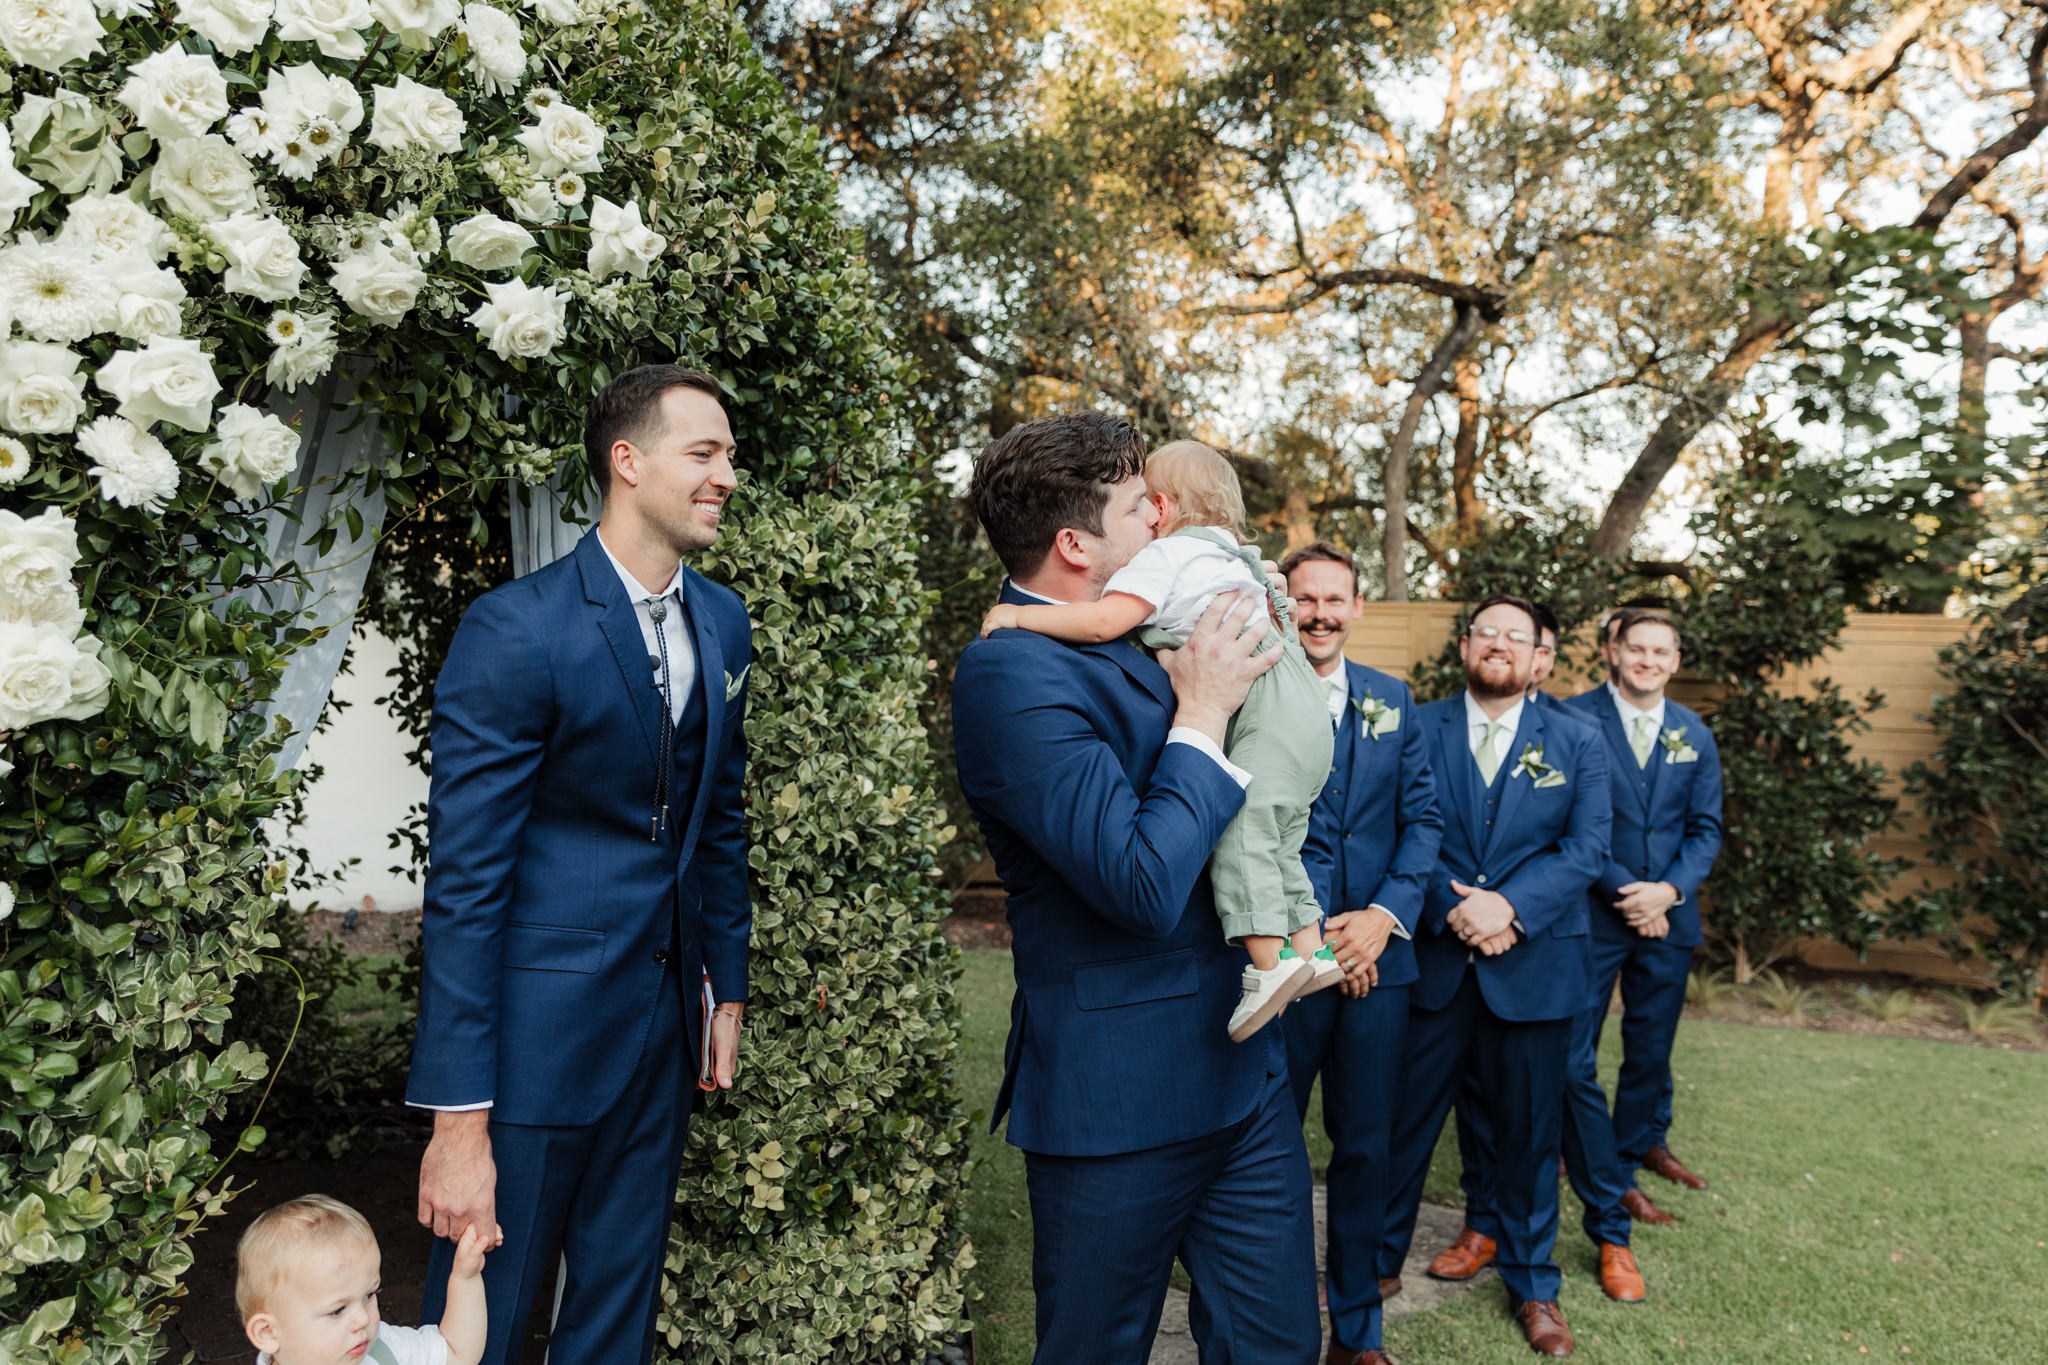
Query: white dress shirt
{"x":1476,"y":721}
{"x":1628,"y":711}
{"x":1338,"y":681}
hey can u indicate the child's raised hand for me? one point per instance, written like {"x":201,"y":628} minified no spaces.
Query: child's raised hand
{"x":1001,"y":616}
{"x":469,"y":1252}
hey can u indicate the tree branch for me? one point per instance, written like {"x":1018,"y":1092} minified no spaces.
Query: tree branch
{"x":1987,"y":158}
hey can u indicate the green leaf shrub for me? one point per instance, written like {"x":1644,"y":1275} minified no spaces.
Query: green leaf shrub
{"x":1985,"y":796}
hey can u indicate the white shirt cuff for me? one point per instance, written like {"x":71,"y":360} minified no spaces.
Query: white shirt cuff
{"x":1400,"y":930}
{"x":1187,"y":734}
{"x":450,"y":1108}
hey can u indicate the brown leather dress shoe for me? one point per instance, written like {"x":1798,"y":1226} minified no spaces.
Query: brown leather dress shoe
{"x":1341,"y":1356}
{"x":1641,"y":1210}
{"x":1619,"y":1278}
{"x":1659,"y":1161}
{"x":1390,"y":1288}
{"x":1544,"y":1328}
{"x":1464,"y":1258}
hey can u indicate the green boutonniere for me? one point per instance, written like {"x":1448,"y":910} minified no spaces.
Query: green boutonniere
{"x":1532,"y":766}
{"x":1375,"y":717}
{"x":1676,"y":750}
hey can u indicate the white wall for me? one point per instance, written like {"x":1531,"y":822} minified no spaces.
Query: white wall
{"x":366,"y":790}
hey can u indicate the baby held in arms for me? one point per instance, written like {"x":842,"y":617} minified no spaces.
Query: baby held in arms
{"x":1280,"y":735}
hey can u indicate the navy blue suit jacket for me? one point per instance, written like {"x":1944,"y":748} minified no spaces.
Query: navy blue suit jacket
{"x":546,"y":901}
{"x":1667,"y":818}
{"x":1374,"y":833}
{"x":1541,"y":851}
{"x":1101,"y":832}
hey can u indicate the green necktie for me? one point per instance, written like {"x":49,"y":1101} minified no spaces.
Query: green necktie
{"x":1486,"y":755}
{"x":1643,"y":740}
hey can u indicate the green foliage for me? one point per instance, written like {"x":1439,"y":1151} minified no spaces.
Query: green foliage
{"x":1994,"y":1018}
{"x":1985,"y":796}
{"x":1780,"y":996}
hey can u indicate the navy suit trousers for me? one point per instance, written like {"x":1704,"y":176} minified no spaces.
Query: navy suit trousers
{"x":1234,"y":1206}
{"x":1520,"y":1070}
{"x":1356,"y":1046}
{"x":583,"y":1191}
{"x":1653,"y":976}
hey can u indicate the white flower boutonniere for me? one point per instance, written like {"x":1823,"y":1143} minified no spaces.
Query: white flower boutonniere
{"x":1539,"y":773}
{"x":1676,"y":750}
{"x":735,"y":685}
{"x":1375,"y":718}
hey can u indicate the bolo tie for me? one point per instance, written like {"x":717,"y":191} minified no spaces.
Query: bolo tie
{"x":664,"y":754}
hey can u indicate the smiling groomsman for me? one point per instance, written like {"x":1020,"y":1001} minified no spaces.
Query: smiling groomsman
{"x":1372,"y":845}
{"x":1500,"y":950}
{"x":1666,"y":781}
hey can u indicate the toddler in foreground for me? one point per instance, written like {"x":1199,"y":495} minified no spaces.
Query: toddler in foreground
{"x":306,"y":1284}
{"x":1280,"y":735}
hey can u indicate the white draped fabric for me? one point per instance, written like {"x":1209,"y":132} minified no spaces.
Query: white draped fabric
{"x":541,"y":530}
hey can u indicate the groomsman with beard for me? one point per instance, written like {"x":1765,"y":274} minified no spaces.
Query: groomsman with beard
{"x":1372,"y":845}
{"x":1644,"y":909}
{"x":1500,"y":952}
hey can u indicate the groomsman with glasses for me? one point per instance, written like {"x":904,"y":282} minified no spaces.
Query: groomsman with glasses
{"x":1644,"y":906}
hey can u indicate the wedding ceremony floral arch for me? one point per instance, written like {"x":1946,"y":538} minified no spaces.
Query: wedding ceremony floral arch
{"x":283,"y":281}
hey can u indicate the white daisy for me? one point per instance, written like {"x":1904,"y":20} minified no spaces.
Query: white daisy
{"x":285,"y":327}
{"x":569,"y":188}
{"x":253,"y":131}
{"x":325,"y":137}
{"x":132,"y":466}
{"x":296,"y":157}
{"x":14,"y":461}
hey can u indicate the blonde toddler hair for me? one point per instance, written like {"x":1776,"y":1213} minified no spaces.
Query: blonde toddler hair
{"x":1201,"y":483}
{"x":277,"y":1237}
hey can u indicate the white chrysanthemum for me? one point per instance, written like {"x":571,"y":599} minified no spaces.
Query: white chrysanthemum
{"x":540,"y":98}
{"x":176,"y":94}
{"x":488,"y":242}
{"x":15,"y":461}
{"x":569,"y":189}
{"x":416,"y":22}
{"x":203,"y":178}
{"x":55,"y":291}
{"x":563,"y":138}
{"x":379,"y":285}
{"x":16,"y":189}
{"x":619,"y":241}
{"x":262,"y":256}
{"x":115,"y":225}
{"x":169,"y":380}
{"x":522,"y":319}
{"x":42,"y":391}
{"x":253,"y":450}
{"x":232,"y":26}
{"x":132,"y":466}
{"x":46,"y":34}
{"x":334,"y":26}
{"x":496,"y":57}
{"x":148,"y":300}
{"x":305,"y":348}
{"x":409,"y":114}
{"x":555,"y":11}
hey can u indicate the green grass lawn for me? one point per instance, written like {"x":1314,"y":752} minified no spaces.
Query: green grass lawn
{"x":1873,"y":1198}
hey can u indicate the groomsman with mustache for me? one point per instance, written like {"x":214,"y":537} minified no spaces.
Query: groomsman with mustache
{"x":1372,"y":845}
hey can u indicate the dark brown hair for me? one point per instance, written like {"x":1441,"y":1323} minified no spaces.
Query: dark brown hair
{"x":1320,"y":550}
{"x":629,"y":408}
{"x":1046,"y":476}
{"x":1507,"y":599}
{"x":1628,"y":618}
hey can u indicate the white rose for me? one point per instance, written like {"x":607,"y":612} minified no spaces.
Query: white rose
{"x":620,"y":241}
{"x":37,"y":555}
{"x":56,"y":292}
{"x":379,"y":285}
{"x":176,"y":94}
{"x":47,"y":675}
{"x":332,"y":25}
{"x":555,"y":11}
{"x":203,"y":178}
{"x":232,"y":26}
{"x":41,"y":389}
{"x":488,"y":242}
{"x":148,"y":299}
{"x":496,"y":57}
{"x":15,"y":463}
{"x":536,"y":203}
{"x":80,"y":148}
{"x":122,"y":10}
{"x":132,"y":466}
{"x":563,"y":139}
{"x":409,"y":114}
{"x":16,"y":189}
{"x":254,"y":450}
{"x":521,"y":319}
{"x":416,"y":22}
{"x":296,"y":95}
{"x":168,"y":380}
{"x":263,"y":258}
{"x":46,"y":34}
{"x":115,"y":225}
{"x":6,"y":890}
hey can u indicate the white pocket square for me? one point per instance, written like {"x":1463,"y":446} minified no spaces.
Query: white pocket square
{"x":1683,"y":756}
{"x":734,"y":686}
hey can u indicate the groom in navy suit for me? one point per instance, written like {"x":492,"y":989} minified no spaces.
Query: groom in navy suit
{"x":1500,"y":950}
{"x":1098,"y":778}
{"x":589,"y":869}
{"x":1372,"y":846}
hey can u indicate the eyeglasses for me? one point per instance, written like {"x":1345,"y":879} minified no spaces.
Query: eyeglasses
{"x":1491,"y":633}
